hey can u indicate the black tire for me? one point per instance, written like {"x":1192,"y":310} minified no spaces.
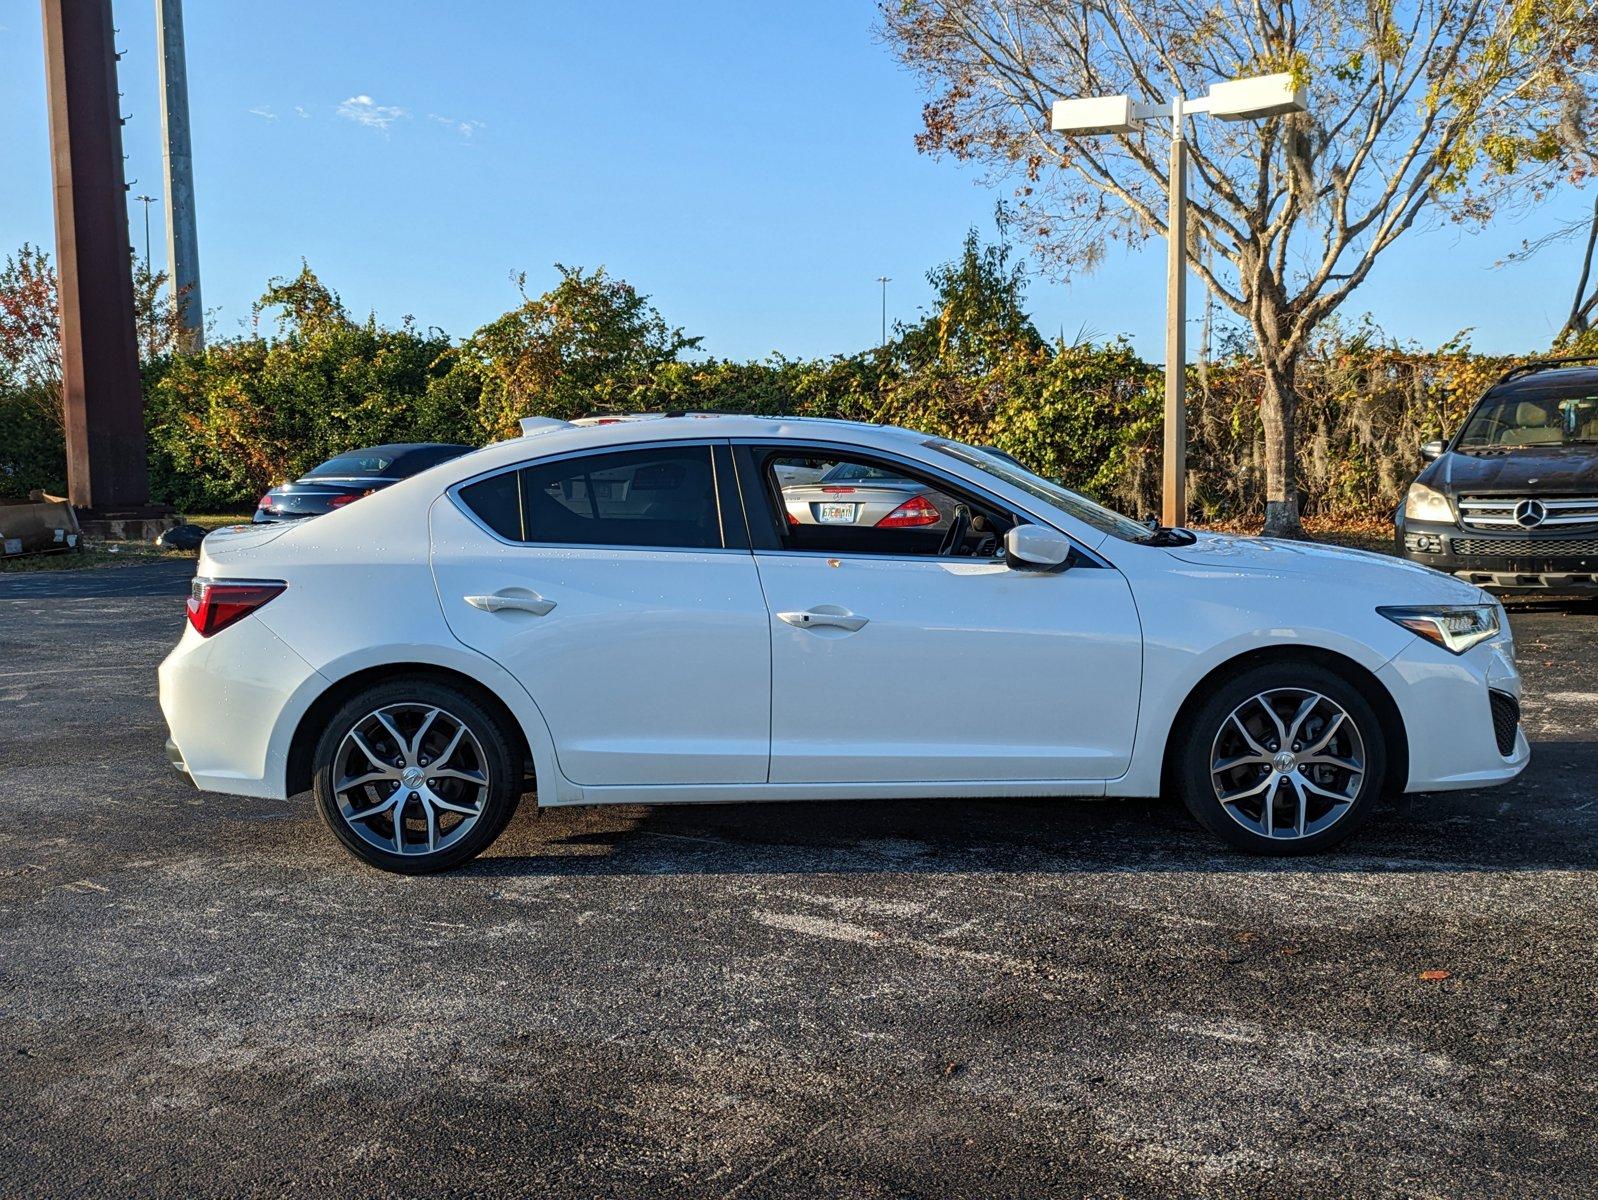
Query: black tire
{"x":1210,"y":734}
{"x":490,"y":741}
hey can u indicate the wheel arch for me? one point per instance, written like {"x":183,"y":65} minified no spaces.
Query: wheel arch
{"x":302,"y":745}
{"x":1356,"y":674}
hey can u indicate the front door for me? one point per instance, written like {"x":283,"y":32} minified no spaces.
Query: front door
{"x":606,"y":583}
{"x":903,"y":649}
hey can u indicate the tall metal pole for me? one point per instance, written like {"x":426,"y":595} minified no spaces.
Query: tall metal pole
{"x":884,"y":280}
{"x":102,"y":406}
{"x":1174,"y":500}
{"x":146,"y":201}
{"x":182,"y":239}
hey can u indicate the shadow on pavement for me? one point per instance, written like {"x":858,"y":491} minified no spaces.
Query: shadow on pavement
{"x":1519,"y":828}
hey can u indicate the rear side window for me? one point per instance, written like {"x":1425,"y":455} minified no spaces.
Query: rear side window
{"x":663,"y":497}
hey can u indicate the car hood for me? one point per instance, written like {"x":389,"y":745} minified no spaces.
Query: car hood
{"x":1546,"y":468}
{"x":1385,"y":579}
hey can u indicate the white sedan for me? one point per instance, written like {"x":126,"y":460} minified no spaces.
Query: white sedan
{"x":621,"y":612}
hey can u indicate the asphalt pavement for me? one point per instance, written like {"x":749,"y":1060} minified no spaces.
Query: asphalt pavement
{"x":202,"y":995}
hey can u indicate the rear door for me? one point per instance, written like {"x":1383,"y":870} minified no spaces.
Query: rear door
{"x":904,"y":650}
{"x":611,"y":585}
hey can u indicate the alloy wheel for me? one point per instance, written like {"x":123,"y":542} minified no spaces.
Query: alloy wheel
{"x":1287,"y":763}
{"x":410,"y":779}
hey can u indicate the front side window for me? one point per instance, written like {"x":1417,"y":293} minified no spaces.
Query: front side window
{"x":1002,"y":466}
{"x":662,"y":497}
{"x":1555,"y":418}
{"x":829,"y":504}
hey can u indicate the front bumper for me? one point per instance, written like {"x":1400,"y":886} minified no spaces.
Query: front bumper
{"x":1445,"y":701}
{"x":1523,"y":560}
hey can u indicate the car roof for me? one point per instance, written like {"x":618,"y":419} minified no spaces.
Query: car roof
{"x":1547,"y":381}
{"x":563,"y":437}
{"x":395,"y":449}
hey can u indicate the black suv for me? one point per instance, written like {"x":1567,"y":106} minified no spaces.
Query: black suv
{"x":1512,"y":500}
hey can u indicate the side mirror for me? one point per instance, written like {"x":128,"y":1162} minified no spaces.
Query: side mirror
{"x":1034,"y":548}
{"x":1431,"y":451}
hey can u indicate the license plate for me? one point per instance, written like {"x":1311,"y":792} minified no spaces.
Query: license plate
{"x":836,"y":514}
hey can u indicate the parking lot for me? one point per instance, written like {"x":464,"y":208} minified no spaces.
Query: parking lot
{"x":202,"y":995}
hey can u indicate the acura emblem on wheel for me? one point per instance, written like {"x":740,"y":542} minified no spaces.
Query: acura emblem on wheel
{"x":1530,"y":513}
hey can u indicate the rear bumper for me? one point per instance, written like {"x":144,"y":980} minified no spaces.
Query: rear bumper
{"x":224,"y":698}
{"x":1518,"y":561}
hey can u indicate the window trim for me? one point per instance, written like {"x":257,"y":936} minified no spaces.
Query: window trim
{"x":750,"y":486}
{"x":729,"y":530}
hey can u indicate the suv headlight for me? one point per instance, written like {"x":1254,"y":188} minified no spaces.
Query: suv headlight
{"x":1422,"y":503}
{"x":1456,"y":628}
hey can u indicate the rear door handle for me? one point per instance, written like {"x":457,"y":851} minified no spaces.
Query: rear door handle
{"x":528,"y":602}
{"x":817,"y":619}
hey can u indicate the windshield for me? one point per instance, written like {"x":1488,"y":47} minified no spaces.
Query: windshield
{"x":1087,"y":511}
{"x":1520,"y":420}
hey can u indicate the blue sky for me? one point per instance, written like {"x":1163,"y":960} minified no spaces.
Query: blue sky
{"x":749,"y":165}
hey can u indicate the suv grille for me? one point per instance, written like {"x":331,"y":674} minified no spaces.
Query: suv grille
{"x":1506,"y":719}
{"x":1527,"y":547}
{"x":1527,"y":512}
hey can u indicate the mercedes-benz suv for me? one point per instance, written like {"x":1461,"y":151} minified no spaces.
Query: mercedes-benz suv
{"x":1511,"y":501}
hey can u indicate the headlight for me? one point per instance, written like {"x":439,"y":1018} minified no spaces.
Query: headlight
{"x":1422,"y":503}
{"x":1455,"y":628}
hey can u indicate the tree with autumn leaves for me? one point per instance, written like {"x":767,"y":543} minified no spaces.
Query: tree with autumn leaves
{"x":1419,"y":111}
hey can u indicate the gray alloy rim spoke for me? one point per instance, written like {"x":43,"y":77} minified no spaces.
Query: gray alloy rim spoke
{"x":1330,"y":761}
{"x":376,"y":810}
{"x":1327,"y":734}
{"x":439,"y":802}
{"x":415,"y":749}
{"x":1295,"y":737}
{"x":451,"y":790}
{"x":452,"y":773}
{"x":384,"y":720}
{"x":349,"y":783}
{"x":372,"y":756}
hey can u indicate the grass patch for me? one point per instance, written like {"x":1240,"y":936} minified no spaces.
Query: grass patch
{"x":96,"y":553}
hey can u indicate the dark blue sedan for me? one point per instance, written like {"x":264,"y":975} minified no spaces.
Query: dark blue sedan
{"x":348,"y":477}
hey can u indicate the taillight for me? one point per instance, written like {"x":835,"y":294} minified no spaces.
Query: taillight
{"x":919,"y":511}
{"x":341,"y":501}
{"x":265,"y":501}
{"x":214,"y":604}
{"x":839,"y":491}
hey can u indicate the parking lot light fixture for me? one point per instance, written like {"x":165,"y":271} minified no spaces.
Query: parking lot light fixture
{"x":1253,"y":98}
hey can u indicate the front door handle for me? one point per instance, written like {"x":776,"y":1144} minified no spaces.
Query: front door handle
{"x":821,"y":619}
{"x":528,"y":602}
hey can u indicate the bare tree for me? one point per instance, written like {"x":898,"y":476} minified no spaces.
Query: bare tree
{"x":1584,"y":304}
{"x":1450,"y":107}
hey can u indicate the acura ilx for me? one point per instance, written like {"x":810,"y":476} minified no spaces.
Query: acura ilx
{"x":629,"y":612}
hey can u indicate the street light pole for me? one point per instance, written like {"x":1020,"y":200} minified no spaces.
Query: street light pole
{"x":146,"y":201}
{"x":884,"y":280}
{"x":1173,"y":507}
{"x":1250,"y":99}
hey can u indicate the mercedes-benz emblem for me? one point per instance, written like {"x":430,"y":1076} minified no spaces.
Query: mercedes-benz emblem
{"x":1530,"y":513}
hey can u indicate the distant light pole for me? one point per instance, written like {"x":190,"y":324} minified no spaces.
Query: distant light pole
{"x":146,"y":201}
{"x":1250,"y":99}
{"x":884,"y":280}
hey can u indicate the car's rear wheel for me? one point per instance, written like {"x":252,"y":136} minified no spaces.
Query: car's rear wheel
{"x":415,"y":776}
{"x":1282,"y":759}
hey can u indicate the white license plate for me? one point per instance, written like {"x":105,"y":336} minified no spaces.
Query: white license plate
{"x":836,"y":514}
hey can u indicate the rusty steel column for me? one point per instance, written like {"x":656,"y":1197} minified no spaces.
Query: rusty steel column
{"x":107,"y":470}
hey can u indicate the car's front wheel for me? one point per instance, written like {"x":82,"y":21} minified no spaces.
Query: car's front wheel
{"x":415,"y":776}
{"x":1282,"y":759}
